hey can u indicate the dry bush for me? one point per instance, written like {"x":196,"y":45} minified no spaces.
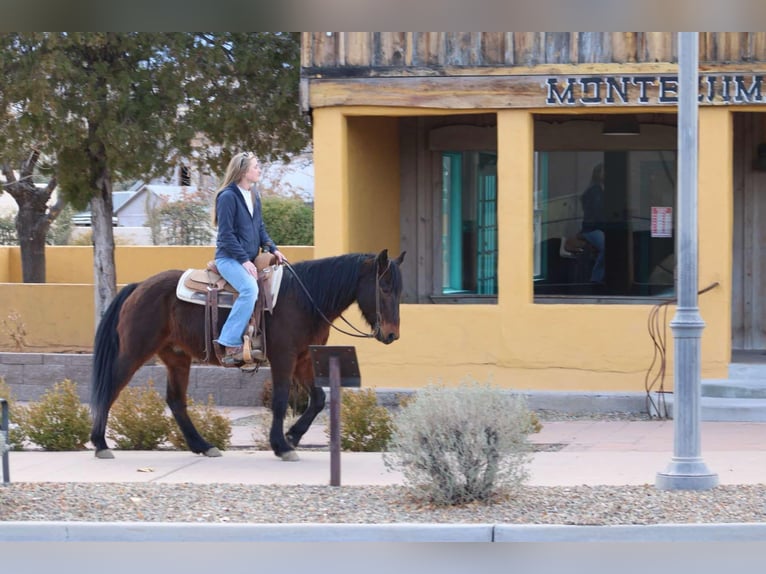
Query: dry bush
{"x":461,"y":444}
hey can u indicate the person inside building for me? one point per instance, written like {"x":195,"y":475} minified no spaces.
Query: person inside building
{"x":241,"y":234}
{"x":594,"y":220}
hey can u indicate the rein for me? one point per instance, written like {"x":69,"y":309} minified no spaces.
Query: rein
{"x":359,"y":333}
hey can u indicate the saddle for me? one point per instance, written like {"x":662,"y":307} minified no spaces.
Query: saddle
{"x":207,"y":287}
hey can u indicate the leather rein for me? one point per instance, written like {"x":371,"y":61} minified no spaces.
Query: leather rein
{"x":359,"y":333}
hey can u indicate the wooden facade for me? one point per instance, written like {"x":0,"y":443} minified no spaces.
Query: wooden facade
{"x":499,"y":70}
{"x":346,"y":54}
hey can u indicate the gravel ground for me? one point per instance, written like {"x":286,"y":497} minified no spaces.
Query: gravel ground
{"x":582,"y":505}
{"x":325,"y":504}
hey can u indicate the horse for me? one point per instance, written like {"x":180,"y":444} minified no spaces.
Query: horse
{"x":146,"y":319}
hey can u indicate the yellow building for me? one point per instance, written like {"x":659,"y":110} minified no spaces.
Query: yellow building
{"x":473,"y":152}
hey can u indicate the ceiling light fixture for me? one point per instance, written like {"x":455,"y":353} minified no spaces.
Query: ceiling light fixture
{"x":621,"y":125}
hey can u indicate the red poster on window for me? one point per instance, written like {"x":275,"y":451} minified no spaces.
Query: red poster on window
{"x":662,"y":222}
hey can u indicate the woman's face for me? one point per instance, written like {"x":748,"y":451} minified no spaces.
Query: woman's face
{"x":253,"y":173}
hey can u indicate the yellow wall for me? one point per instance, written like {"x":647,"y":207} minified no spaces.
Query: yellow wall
{"x":5,"y":262}
{"x":517,"y":343}
{"x":374,"y":182}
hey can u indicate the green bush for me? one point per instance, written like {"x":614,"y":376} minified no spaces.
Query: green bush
{"x":16,"y":413}
{"x":365,"y":426}
{"x":461,"y":444}
{"x":297,"y":399}
{"x":211,"y":424}
{"x":289,"y":221}
{"x":8,"y":235}
{"x":138,"y":420}
{"x":58,"y":421}
{"x":61,"y":228}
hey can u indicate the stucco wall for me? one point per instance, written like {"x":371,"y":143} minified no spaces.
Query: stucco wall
{"x":517,"y":343}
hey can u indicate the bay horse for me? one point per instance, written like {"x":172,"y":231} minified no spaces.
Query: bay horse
{"x":147,"y":319}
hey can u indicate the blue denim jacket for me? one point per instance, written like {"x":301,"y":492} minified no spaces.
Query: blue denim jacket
{"x":240,"y":235}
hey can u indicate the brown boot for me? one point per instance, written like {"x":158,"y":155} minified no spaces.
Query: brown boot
{"x":232,"y":357}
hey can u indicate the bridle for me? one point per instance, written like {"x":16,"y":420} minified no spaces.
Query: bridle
{"x":358,"y":333}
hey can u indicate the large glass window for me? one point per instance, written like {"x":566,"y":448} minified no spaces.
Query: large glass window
{"x":469,"y":223}
{"x":605,"y":219}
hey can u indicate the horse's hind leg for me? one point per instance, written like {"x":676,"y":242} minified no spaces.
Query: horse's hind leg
{"x":124,"y":370}
{"x":178,"y":366}
{"x":304,"y":375}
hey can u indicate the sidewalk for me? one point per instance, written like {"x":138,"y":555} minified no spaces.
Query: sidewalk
{"x":571,"y":453}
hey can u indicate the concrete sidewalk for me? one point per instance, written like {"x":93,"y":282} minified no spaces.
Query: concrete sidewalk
{"x":570,"y":453}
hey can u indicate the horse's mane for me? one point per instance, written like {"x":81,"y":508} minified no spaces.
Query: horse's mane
{"x":332,"y":281}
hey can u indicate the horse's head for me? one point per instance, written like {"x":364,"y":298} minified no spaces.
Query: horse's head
{"x":380,"y":288}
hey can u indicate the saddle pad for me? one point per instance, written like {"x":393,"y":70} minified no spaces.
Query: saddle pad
{"x":226,"y":296}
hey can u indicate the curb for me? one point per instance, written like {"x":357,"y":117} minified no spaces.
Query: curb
{"x":399,"y":532}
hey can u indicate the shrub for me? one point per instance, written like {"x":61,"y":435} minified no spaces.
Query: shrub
{"x":16,"y":414}
{"x":297,"y":399}
{"x":58,"y":421}
{"x":138,"y":420}
{"x":365,"y":426}
{"x":211,"y":424}
{"x":289,"y":221}
{"x":462,"y":444}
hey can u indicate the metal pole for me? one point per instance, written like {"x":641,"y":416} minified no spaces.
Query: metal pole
{"x":687,"y":470}
{"x":5,"y":430}
{"x":334,"y":421}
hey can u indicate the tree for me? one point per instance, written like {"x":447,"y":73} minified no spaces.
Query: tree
{"x":108,"y":105}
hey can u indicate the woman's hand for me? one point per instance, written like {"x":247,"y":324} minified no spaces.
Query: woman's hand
{"x":280,"y":257}
{"x":251,"y":268}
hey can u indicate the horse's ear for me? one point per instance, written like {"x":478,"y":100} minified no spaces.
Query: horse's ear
{"x":382,"y":259}
{"x":400,"y":259}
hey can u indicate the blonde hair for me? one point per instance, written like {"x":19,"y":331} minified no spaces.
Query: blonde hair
{"x":235,"y":171}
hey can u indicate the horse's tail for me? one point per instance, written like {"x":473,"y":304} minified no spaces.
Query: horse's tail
{"x":105,"y":350}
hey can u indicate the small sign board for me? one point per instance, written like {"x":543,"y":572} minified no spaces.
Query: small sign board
{"x":349,"y":366}
{"x":662,"y":221}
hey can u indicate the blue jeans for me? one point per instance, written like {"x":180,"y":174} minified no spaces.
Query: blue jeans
{"x":596,"y":239}
{"x":239,"y":317}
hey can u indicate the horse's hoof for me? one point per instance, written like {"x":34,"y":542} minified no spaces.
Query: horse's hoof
{"x":290,"y":456}
{"x":104,"y":453}
{"x":212,"y":452}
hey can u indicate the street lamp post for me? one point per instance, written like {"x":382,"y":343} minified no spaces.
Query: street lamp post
{"x":687,"y":470}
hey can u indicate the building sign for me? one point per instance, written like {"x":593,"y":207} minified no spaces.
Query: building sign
{"x":652,"y":90}
{"x":662,"y":221}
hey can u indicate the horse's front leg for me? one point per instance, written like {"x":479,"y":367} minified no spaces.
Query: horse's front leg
{"x":279,"y":397}
{"x":304,"y":376}
{"x":178,"y":367}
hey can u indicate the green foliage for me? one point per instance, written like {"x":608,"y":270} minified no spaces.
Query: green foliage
{"x":106,"y":106}
{"x":183,"y":222}
{"x":138,"y":420}
{"x":365,"y":426}
{"x":297,"y":400}
{"x":58,"y":421}
{"x":462,"y":444}
{"x":61,"y":228}
{"x":8,"y":235}
{"x":16,"y":414}
{"x":211,"y":424}
{"x":289,"y":221}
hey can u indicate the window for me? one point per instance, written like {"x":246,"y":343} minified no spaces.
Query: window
{"x":469,"y":223}
{"x":184,"y":176}
{"x":604,"y":210}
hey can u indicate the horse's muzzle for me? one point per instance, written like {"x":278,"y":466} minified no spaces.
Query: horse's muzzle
{"x":387,"y":337}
